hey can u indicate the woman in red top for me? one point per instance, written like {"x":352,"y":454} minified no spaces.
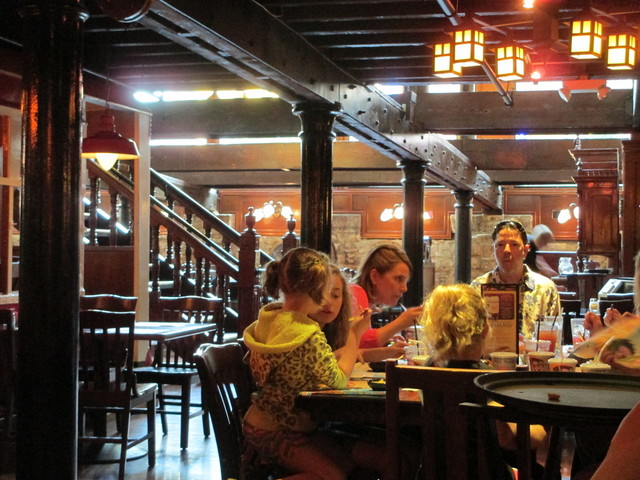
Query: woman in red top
{"x":380,"y":281}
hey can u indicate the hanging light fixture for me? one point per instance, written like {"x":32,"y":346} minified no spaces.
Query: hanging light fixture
{"x":510,"y":62}
{"x":468,"y":45}
{"x":107,"y":146}
{"x":621,"y":51}
{"x":443,"y":65}
{"x":586,"y":38}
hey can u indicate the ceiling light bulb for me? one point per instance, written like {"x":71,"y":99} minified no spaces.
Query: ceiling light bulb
{"x":398,"y":212}
{"x":603,"y":91}
{"x":565,"y":94}
{"x":107,"y":160}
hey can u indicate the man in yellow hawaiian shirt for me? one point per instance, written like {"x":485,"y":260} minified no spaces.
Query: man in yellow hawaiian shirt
{"x":538,"y":294}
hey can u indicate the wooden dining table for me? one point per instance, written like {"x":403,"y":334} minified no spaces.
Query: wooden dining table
{"x":358,"y":403}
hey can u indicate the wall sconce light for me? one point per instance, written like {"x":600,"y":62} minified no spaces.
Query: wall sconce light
{"x":272,"y":209}
{"x":621,"y":51}
{"x":586,"y":38}
{"x":510,"y":62}
{"x":564,"y":215}
{"x":528,"y":3}
{"x":468,"y":46}
{"x":397,"y":212}
{"x":443,"y":65}
{"x":565,"y":93}
{"x":107,"y":146}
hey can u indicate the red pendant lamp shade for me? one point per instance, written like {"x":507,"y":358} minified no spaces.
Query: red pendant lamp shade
{"x":107,"y":146}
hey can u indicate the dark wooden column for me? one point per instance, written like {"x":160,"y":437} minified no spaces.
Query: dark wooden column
{"x":413,"y":182}
{"x":631,"y":203}
{"x":49,"y":241}
{"x":462,"y":260}
{"x":316,"y":173}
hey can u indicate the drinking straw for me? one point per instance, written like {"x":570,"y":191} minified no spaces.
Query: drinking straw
{"x":606,"y":344}
{"x":538,"y":334}
{"x":415,"y":326}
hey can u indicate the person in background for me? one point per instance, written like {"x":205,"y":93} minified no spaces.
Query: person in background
{"x":538,"y":294}
{"x":541,"y":236}
{"x":289,"y":354}
{"x":381,"y":280}
{"x":334,"y":317}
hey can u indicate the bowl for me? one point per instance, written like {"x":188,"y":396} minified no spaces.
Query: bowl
{"x":378,"y":366}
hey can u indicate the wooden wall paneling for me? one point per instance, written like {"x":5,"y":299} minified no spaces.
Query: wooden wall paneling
{"x":108,"y":270}
{"x":239,"y":201}
{"x":541,"y":203}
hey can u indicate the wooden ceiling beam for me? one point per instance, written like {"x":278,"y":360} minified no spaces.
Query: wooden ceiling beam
{"x":268,"y":53}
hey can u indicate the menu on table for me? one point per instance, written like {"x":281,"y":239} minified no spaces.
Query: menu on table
{"x":503,"y":304}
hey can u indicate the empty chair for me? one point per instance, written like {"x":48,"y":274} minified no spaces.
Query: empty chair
{"x":173,"y":361}
{"x":226,"y":387}
{"x":107,"y":382}
{"x":454,"y":447}
{"x":109,"y":302}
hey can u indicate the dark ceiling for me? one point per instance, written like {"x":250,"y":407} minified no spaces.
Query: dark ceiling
{"x":373,"y":41}
{"x":334,"y":51}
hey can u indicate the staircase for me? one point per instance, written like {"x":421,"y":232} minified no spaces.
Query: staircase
{"x":184,"y":257}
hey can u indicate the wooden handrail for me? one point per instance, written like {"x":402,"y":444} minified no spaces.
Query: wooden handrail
{"x":197,"y":245}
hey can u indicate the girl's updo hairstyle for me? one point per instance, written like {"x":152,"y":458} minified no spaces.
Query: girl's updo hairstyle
{"x":454,"y":317}
{"x":300,"y":270}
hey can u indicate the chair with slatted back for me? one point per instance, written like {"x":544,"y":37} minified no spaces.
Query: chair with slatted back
{"x":7,"y":385}
{"x":453,"y":445}
{"x":109,"y":302}
{"x":227,"y":385}
{"x":173,"y":361}
{"x":107,"y":382}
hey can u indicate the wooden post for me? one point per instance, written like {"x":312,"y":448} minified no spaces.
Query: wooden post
{"x":47,"y":387}
{"x":247,"y":289}
{"x":290,"y":240}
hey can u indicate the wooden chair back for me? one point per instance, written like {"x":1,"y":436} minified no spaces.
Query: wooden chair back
{"x":454,"y":445}
{"x":107,"y":383}
{"x":106,"y":358}
{"x":188,"y":309}
{"x":226,"y":387}
{"x":109,"y":302}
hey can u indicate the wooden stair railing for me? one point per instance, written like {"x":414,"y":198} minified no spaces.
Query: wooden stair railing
{"x":195,"y":257}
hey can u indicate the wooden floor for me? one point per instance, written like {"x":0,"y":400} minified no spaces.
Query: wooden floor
{"x":198,"y":462}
